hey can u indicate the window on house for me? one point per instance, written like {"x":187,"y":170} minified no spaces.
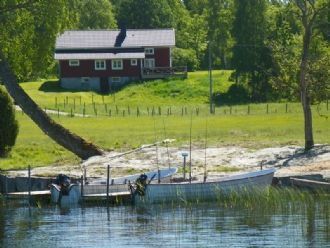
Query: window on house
{"x":117,"y":64}
{"x":74,"y":62}
{"x":133,"y":61}
{"x":100,"y":65}
{"x":149,"y":63}
{"x":115,"y":80}
{"x":149,"y":51}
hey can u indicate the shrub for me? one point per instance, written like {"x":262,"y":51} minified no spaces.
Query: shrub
{"x":8,"y":124}
{"x":185,"y":57}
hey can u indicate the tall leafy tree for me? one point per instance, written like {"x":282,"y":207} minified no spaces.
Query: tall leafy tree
{"x":96,"y":14}
{"x":145,"y":14}
{"x":252,"y":58}
{"x":220,"y":20}
{"x":191,"y":33}
{"x":28,"y":31}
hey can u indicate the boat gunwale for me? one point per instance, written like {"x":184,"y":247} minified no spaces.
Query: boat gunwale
{"x":231,"y":178}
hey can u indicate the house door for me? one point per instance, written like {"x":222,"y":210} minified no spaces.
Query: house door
{"x":149,"y":63}
{"x":104,"y":85}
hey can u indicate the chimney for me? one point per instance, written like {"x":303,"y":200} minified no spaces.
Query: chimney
{"x":121,"y":37}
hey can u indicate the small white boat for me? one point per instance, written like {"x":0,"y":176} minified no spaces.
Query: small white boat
{"x":70,"y":194}
{"x":202,"y":191}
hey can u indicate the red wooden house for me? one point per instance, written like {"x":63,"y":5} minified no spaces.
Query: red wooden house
{"x":102,"y":59}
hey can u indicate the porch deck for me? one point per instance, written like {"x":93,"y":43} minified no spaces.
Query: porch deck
{"x":164,"y":72}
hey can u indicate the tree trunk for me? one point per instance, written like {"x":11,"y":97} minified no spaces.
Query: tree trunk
{"x":58,"y":133}
{"x":305,"y":97}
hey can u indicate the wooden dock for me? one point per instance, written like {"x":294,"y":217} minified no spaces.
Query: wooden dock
{"x":44,"y":195}
{"x":113,"y":198}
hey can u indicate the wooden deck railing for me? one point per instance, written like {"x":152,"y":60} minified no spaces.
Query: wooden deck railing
{"x":164,"y":72}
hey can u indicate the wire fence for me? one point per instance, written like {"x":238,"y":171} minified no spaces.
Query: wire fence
{"x":76,"y":107}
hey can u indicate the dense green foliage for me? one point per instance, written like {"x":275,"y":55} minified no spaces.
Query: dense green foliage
{"x":261,"y":41}
{"x":8,"y":124}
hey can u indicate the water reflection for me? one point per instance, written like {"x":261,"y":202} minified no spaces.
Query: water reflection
{"x":289,"y":224}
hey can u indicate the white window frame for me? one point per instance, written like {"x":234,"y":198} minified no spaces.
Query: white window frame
{"x":115,"y":80}
{"x":134,"y":62}
{"x":100,"y":65}
{"x":149,"y":51}
{"x":115,"y":64}
{"x":74,"y":62}
{"x":147,"y":64}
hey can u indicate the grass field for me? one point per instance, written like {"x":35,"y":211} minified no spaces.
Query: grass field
{"x":253,"y":126}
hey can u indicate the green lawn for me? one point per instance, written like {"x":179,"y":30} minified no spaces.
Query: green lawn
{"x":254,"y":125}
{"x":254,"y":131}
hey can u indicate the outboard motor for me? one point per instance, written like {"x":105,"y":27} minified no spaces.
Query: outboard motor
{"x":141,"y":184}
{"x":64,"y":182}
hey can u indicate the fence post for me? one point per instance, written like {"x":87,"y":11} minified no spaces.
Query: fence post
{"x":55,"y":102}
{"x":248,"y":112}
{"x":230,"y":110}
{"x":58,"y":113}
{"x":74,"y":103}
{"x":267,"y":108}
{"x":110,"y":113}
{"x":128,"y":110}
{"x":159,"y":111}
{"x":137,"y":111}
{"x":286,"y":108}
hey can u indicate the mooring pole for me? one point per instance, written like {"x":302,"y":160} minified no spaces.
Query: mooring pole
{"x":6,"y":186}
{"x":108,"y":180}
{"x":184,"y":155}
{"x":29,"y":183}
{"x":85,"y":175}
{"x":82,"y":187}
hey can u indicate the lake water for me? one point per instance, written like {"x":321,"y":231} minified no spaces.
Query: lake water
{"x":195,"y":225}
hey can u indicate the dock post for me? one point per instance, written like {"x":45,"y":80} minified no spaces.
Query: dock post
{"x":6,"y":186}
{"x":29,"y":183}
{"x":184,"y":155}
{"x":81,"y":187}
{"x":108,"y":178}
{"x":85,"y":175}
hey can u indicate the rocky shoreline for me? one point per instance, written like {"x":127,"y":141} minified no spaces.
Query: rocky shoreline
{"x":288,"y":160}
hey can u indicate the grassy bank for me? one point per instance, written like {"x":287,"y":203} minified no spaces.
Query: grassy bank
{"x":136,"y":114}
{"x":254,"y":131}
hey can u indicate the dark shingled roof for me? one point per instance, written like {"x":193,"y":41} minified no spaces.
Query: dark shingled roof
{"x":107,"y":38}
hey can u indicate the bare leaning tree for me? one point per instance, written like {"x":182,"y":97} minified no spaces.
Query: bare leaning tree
{"x":35,"y":23}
